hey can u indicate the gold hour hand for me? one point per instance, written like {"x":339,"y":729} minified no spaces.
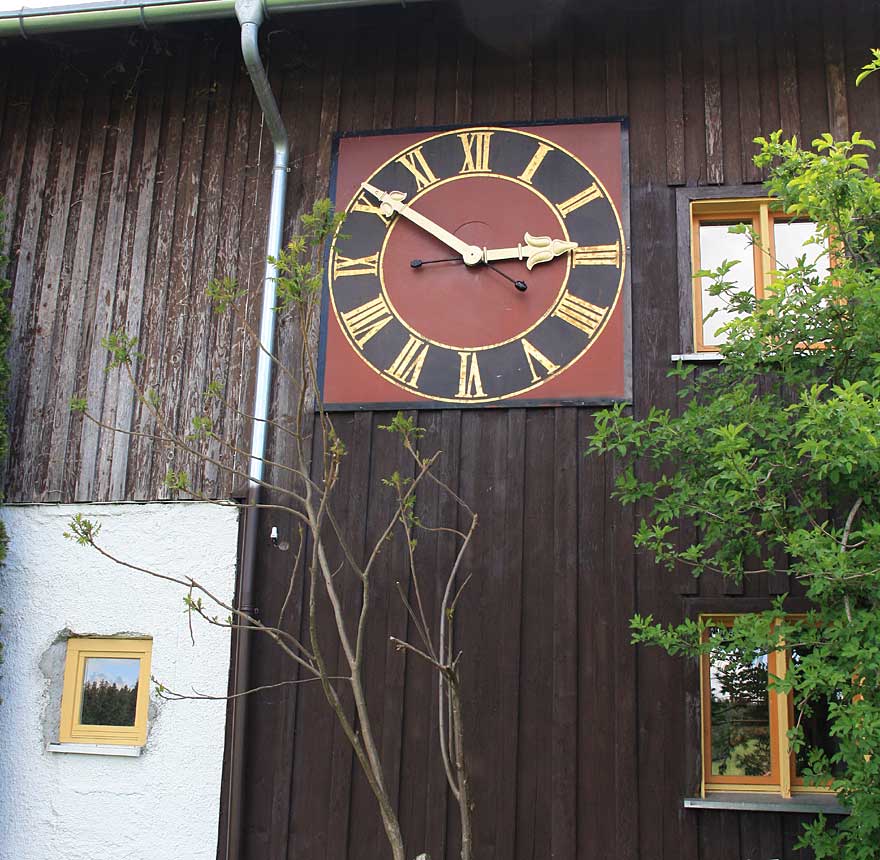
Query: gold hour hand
{"x":537,"y":249}
{"x":393,"y":202}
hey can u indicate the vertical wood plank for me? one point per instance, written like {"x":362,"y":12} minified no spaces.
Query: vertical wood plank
{"x":42,"y":357}
{"x":116,"y":381}
{"x":179,"y":308}
{"x":812,"y":83}
{"x":157,"y":286}
{"x":464,"y":79}
{"x":597,"y":831}
{"x":719,"y":835}
{"x":616,"y":59}
{"x":564,"y":734}
{"x":863,"y":102}
{"x":509,"y":635}
{"x":674,"y":101}
{"x":786,"y":69}
{"x":5,"y":64}
{"x":694,"y":95}
{"x":20,"y":100}
{"x":95,"y":379}
{"x":59,"y":475}
{"x":618,"y":553}
{"x":750,"y":92}
{"x":534,"y":765}
{"x":590,"y":65}
{"x":137,"y":278}
{"x":731,"y":102}
{"x":712,"y":97}
{"x":218,"y":482}
{"x":523,"y":79}
{"x":835,"y":72}
{"x":438,"y":797}
{"x":207,"y":237}
{"x":385,"y":77}
{"x":760,"y":835}
{"x":26,"y":234}
{"x":565,"y":74}
{"x":426,"y":76}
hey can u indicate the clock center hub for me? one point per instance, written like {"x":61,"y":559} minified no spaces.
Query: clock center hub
{"x":464,"y":304}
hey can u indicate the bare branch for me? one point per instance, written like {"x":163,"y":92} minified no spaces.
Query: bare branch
{"x":165,"y":693}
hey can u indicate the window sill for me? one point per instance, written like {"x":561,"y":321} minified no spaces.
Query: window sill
{"x":95,"y":749}
{"x":696,"y":356}
{"x":742,"y":801}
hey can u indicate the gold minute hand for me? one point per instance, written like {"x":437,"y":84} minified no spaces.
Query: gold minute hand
{"x":393,"y":200}
{"x":537,"y":249}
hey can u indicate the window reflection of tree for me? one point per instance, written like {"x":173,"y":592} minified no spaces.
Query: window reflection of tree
{"x":108,"y":704}
{"x":812,"y":718}
{"x":740,"y":714}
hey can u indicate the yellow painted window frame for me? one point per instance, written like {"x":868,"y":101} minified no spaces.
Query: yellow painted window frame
{"x":732,"y":210}
{"x":79,"y":649}
{"x":783,"y":780}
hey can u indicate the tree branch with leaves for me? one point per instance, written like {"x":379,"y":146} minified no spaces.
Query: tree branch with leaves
{"x":326,"y":561}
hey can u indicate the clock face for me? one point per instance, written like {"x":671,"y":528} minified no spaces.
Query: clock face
{"x":475,"y":266}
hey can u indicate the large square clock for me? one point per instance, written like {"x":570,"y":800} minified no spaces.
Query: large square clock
{"x":478,"y":266}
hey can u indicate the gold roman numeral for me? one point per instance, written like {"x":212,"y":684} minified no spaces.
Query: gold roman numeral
{"x":535,"y":163}
{"x":365,"y":321}
{"x":589,"y":194}
{"x":533,"y":355}
{"x":598,"y":255}
{"x":469,"y":383}
{"x":415,"y":163}
{"x":344,"y":266}
{"x":364,"y":204}
{"x":476,"y":151}
{"x":408,"y":365}
{"x":580,"y":313}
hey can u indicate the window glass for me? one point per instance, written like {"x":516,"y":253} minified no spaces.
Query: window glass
{"x":815,"y":727}
{"x":740,"y":715}
{"x":109,"y":691}
{"x":717,"y":244}
{"x":792,"y":240}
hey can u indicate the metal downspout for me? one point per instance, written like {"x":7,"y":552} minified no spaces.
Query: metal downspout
{"x":250,"y":15}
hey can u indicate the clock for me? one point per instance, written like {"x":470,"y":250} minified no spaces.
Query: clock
{"x":478,"y":266}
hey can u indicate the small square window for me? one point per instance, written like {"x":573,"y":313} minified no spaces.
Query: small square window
{"x":106,"y":691}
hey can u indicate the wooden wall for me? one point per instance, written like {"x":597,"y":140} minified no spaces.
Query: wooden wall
{"x":134,"y":169}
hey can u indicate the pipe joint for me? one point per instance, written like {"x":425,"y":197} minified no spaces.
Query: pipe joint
{"x":250,"y":12}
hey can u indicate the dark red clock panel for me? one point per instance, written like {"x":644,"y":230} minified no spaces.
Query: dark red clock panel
{"x":396,"y":333}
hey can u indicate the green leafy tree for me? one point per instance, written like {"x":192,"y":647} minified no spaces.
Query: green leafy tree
{"x":775,"y":459}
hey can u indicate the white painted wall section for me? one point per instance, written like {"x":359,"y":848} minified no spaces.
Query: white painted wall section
{"x":165,"y":802}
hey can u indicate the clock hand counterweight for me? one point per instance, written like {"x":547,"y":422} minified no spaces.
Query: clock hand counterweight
{"x":392,"y":202}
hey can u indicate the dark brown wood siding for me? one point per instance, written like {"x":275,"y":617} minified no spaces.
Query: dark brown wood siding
{"x":135,"y":168}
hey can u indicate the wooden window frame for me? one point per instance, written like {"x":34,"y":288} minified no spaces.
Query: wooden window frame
{"x":729,"y":211}
{"x":79,"y":649}
{"x":783,"y":779}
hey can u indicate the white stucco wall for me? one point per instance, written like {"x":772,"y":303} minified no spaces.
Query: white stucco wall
{"x":164,"y":803}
